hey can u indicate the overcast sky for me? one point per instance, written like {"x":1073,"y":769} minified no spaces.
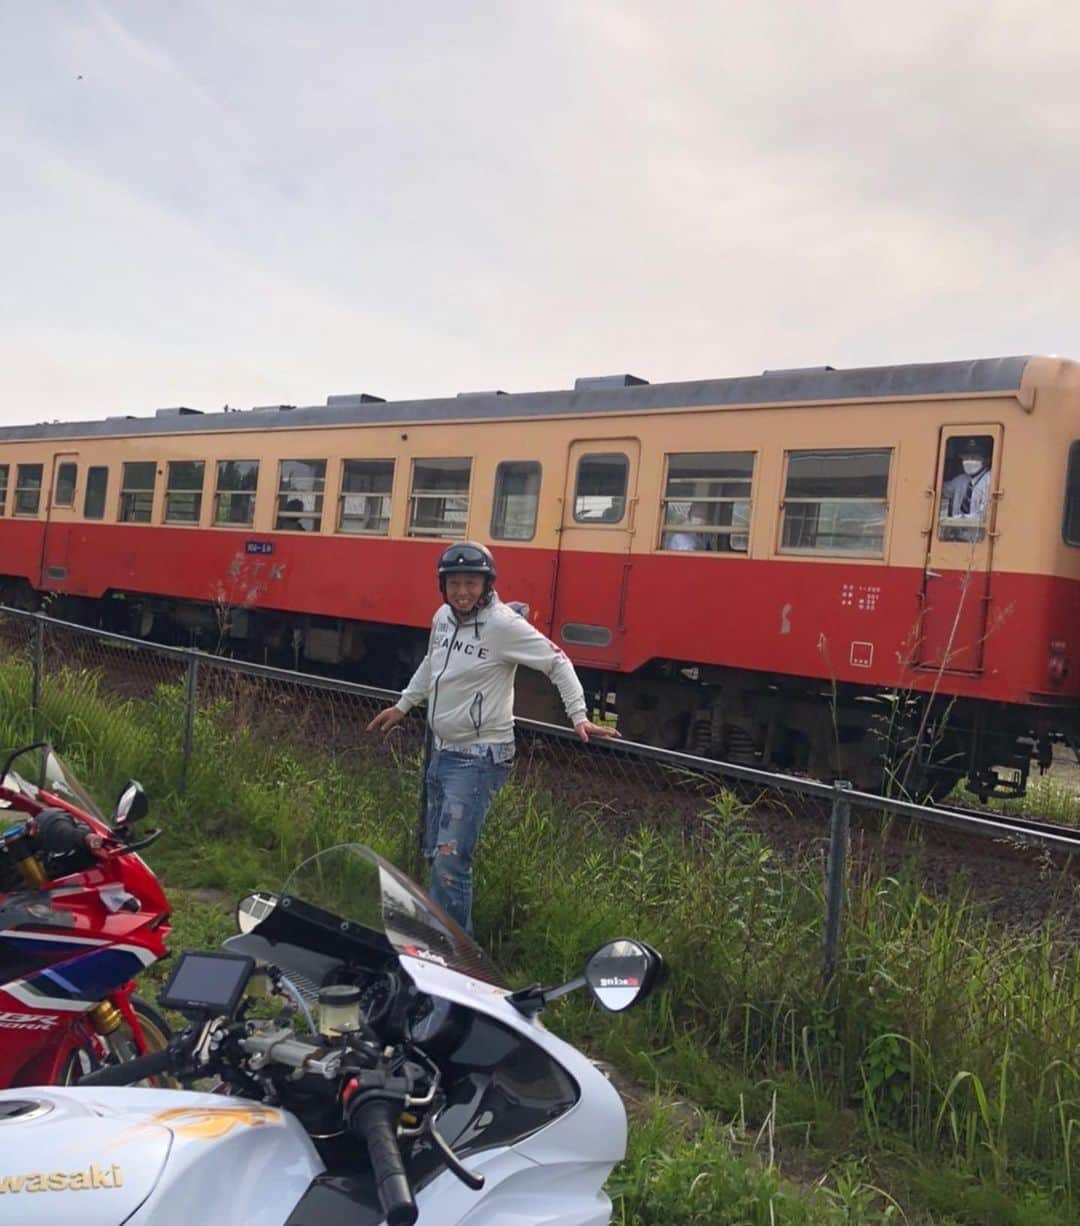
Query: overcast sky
{"x":262,"y":202}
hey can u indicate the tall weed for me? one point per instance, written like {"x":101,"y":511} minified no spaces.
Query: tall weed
{"x":946,"y":1038}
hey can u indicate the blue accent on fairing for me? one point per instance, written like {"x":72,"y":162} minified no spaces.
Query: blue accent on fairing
{"x":66,"y":984}
{"x":90,"y":977}
{"x":20,"y":956}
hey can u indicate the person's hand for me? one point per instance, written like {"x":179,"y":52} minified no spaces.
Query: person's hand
{"x":586,"y":728}
{"x":387,"y":718}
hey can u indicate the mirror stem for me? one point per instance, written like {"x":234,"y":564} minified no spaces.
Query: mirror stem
{"x":565,"y":989}
{"x":531,"y":1000}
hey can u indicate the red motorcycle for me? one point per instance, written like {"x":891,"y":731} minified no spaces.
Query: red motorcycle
{"x":81,"y":914}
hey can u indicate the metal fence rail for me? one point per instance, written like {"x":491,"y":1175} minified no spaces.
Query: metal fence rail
{"x":627,"y":780}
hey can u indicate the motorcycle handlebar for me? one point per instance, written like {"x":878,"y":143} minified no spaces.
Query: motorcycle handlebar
{"x":374,"y":1122}
{"x":131,"y":1070}
{"x":59,"y":832}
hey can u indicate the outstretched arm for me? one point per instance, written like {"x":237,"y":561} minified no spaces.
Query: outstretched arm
{"x":524,"y":644}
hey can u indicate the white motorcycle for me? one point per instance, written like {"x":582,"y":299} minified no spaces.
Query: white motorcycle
{"x":369,"y":1066}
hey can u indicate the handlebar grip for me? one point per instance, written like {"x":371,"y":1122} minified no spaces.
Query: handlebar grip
{"x":59,"y":832}
{"x":375,"y":1122}
{"x":131,"y":1070}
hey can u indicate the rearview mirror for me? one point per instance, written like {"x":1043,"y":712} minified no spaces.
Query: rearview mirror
{"x":132,"y":804}
{"x":252,"y":909}
{"x":622,"y":973}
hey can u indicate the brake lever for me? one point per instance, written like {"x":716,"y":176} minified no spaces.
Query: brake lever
{"x":145,"y":841}
{"x":469,"y":1178}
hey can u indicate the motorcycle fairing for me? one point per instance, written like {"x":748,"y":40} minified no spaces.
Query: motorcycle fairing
{"x":232,"y":1160}
{"x":27,"y":909}
{"x":183,"y":1157}
{"x":351,"y":1200}
{"x":77,"y":984}
{"x":77,"y":1161}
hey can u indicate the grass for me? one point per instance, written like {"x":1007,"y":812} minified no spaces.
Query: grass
{"x":937,"y":1082}
{"x":1049,"y":797}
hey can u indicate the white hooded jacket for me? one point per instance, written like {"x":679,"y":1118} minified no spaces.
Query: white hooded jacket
{"x":467,"y":676}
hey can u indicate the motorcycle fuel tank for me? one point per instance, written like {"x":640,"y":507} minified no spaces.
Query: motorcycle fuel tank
{"x":65,"y":1158}
{"x":108,"y":1156}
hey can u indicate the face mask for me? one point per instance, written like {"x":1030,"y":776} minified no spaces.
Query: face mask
{"x":971,"y":467}
{"x":697,"y":519}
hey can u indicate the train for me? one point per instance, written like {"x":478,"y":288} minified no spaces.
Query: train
{"x":871,"y":574}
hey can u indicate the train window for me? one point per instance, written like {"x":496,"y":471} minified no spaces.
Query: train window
{"x":4,"y":469}
{"x":366,"y":486}
{"x":300,"y":495}
{"x":965,"y":490}
{"x":600,"y":494}
{"x":137,"y":491}
{"x":97,"y":484}
{"x":1070,"y":526}
{"x":27,"y":489}
{"x":184,"y":491}
{"x":517,"y":496}
{"x":234,"y":500}
{"x":834,"y":502}
{"x":64,"y":492}
{"x":440,"y":497}
{"x":707,"y":501}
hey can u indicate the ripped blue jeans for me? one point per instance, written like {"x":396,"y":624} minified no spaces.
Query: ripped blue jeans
{"x":460,"y":789}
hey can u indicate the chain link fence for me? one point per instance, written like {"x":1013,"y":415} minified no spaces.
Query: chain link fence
{"x":190,"y":708}
{"x":623,"y":783}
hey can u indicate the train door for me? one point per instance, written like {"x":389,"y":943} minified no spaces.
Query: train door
{"x":593,"y":570}
{"x":960,"y":550}
{"x":60,"y":513}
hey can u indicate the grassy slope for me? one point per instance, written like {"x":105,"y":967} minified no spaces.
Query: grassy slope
{"x":943,"y":1067}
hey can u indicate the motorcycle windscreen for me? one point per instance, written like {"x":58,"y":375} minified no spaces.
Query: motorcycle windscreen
{"x":38,"y":766}
{"x":365,"y":892}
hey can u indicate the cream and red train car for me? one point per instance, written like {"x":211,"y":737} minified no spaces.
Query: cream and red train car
{"x":772,"y":568}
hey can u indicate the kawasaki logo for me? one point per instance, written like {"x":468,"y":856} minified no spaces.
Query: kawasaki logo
{"x":28,"y":1021}
{"x":91,"y":1179}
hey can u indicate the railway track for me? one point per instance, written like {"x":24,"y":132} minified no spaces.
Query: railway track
{"x":1055,"y":836}
{"x":1026,"y":831}
{"x":691,"y":771}
{"x":622,"y":767}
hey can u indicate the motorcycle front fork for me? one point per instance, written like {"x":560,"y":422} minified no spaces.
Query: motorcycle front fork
{"x":106,"y":1022}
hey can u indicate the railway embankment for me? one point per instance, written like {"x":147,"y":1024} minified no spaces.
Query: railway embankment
{"x":936,"y":1072}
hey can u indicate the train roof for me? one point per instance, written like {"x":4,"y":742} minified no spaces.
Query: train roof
{"x":609,"y":394}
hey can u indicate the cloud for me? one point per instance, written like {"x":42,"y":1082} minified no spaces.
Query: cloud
{"x":250,"y":203}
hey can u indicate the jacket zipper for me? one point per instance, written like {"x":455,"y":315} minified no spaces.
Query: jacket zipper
{"x":435,"y":687}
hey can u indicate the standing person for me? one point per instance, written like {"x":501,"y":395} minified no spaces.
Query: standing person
{"x":467,"y":680}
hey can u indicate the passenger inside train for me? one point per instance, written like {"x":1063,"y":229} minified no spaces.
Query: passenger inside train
{"x":965,"y":493}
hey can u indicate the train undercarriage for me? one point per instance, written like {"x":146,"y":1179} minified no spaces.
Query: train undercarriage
{"x":902,"y":743}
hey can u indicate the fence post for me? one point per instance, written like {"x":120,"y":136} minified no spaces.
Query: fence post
{"x":190,"y":695}
{"x":834,"y":880}
{"x":421,"y":816}
{"x":37,"y":668}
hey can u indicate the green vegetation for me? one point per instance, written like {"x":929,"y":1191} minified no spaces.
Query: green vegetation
{"x":1048,"y":796}
{"x":938,"y":1082}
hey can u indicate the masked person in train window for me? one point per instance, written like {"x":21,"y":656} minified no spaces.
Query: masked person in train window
{"x":965,"y":495}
